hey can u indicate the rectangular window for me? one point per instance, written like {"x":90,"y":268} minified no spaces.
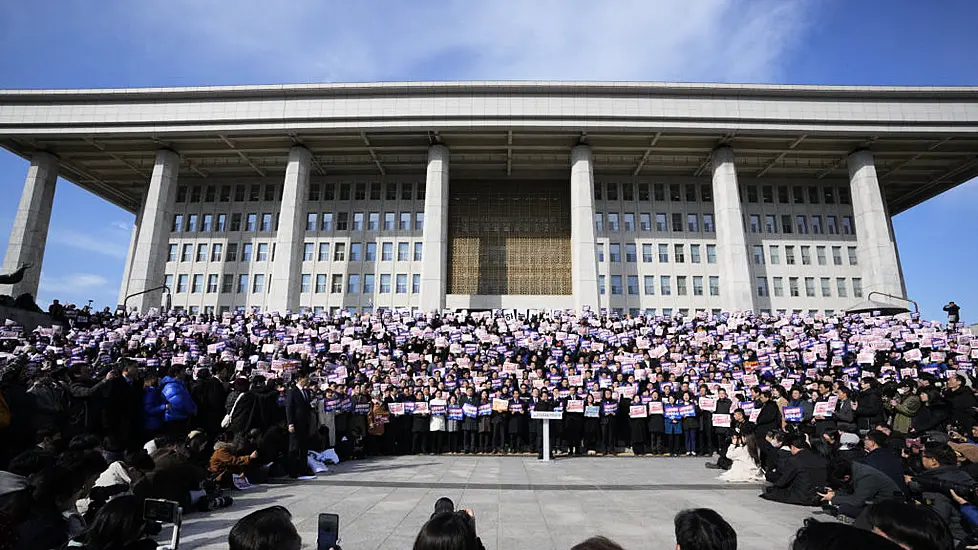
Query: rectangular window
{"x":786,"y":224}
{"x":829,"y":194}
{"x":677,"y":223}
{"x":598,"y":191}
{"x":853,"y":260}
{"x":711,"y":253}
{"x":387,"y":252}
{"x":251,"y":222}
{"x":708,"y":225}
{"x":613,"y":222}
{"x":181,"y":284}
{"x":680,"y":257}
{"x":389,"y":221}
{"x":177,"y":223}
{"x":762,"y":286}
{"x":305,"y":283}
{"x":857,"y":288}
{"x":631,"y":285}
{"x":802,"y":223}
{"x":697,"y":285}
{"x":320,"y":283}
{"x":660,"y":222}
{"x":820,"y":254}
{"x":404,"y":222}
{"x":775,"y":251}
{"x":844,"y":195}
{"x":665,"y":285}
{"x":323,"y":252}
{"x":831,"y":225}
{"x":314,"y":192}
{"x":598,"y":222}
{"x":353,"y":283}
{"x":419,"y":221}
{"x":645,"y":222}
{"x":329,"y":191}
{"x":192,"y":223}
{"x":770,"y":224}
{"x":644,"y":194}
{"x":339,"y":252}
{"x":221,"y":223}
{"x":415,"y":283}
{"x":342,"y":221}
{"x":614,"y":253}
{"x":778,"y":287}
{"x":308,"y":252}
{"x":239,"y":193}
{"x":627,"y":192}
{"x":758,"y":254}
{"x":336,"y":285}
{"x":675,"y":192}
{"x":755,"y":223}
{"x":837,"y":255}
{"x":806,"y":255}
{"x":266,"y":222}
{"x":360,"y":192}
{"x":714,"y":285}
{"x":798,"y":194}
{"x":629,"y":222}
{"x":400,"y":283}
{"x":659,"y":192}
{"x":663,"y":253}
{"x":649,"y":283}
{"x":690,"y":193}
{"x":186,"y":253}
{"x":198,"y":284}
{"x":358,"y":221}
{"x":375,"y":191}
{"x":373,"y":221}
{"x":694,"y":253}
{"x":327,"y":222}
{"x":235,"y":222}
{"x":692,"y":223}
{"x":810,"y":287}
{"x":706,"y":192}
{"x":270,"y":192}
{"x":601,"y":285}
{"x":368,"y":283}
{"x":407,"y":191}
{"x":630,"y":255}
{"x":600,"y":251}
{"x":258,"y":284}
{"x":783,"y":194}
{"x":390,"y":192}
{"x":355,"y":252}
{"x":232,"y":252}
{"x":242,"y":284}
{"x":826,"y":285}
{"x":201,"y":252}
{"x":371,"y":252}
{"x":207,"y":225}
{"x":789,"y":255}
{"x":793,"y":286}
{"x":344,"y":191}
{"x":767,"y":194}
{"x":816,"y":225}
{"x":813,"y":197}
{"x":840,"y":288}
{"x":847,"y":227}
{"x":402,"y":252}
{"x":246,"y":252}
{"x":227,"y":283}
{"x":681,"y":285}
{"x":752,"y":193}
{"x":647,"y":253}
{"x":262,"y":252}
{"x":171,"y":255}
{"x":616,"y":285}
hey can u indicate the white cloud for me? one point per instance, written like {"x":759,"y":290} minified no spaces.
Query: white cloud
{"x":317,"y":40}
{"x":112,"y":246}
{"x":73,"y":282}
{"x":121,"y":226}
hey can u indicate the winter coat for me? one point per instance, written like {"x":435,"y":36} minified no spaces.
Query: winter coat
{"x":904,"y":412}
{"x":801,"y":476}
{"x":940,"y":502}
{"x":962,"y":400}
{"x":210,"y":396}
{"x":768,"y":419}
{"x":887,"y":462}
{"x":469,"y":424}
{"x":182,"y":406}
{"x":154,"y":409}
{"x":223,"y":462}
{"x":869,"y":411}
{"x":868,"y":485}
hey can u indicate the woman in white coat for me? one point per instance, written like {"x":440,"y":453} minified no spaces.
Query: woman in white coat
{"x":744,"y":453}
{"x":436,"y":426}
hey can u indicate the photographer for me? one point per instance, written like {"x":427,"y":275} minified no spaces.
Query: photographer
{"x":119,"y":525}
{"x":933,"y":485}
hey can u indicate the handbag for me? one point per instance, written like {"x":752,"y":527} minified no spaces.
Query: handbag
{"x":226,"y":421}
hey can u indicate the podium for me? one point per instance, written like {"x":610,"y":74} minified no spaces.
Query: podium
{"x":546,"y":416}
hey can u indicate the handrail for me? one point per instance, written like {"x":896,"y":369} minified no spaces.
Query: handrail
{"x":126,"y":300}
{"x":916,"y":307}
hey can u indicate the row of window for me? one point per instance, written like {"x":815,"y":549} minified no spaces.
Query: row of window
{"x":271,"y":192}
{"x":691,"y":192}
{"x":665,"y":285}
{"x":662,"y":251}
{"x":825,"y":287}
{"x":366,"y":252}
{"x":356,"y":283}
{"x":801,"y":225}
{"x":626,"y":222}
{"x":218,"y":223}
{"x":806,"y":255}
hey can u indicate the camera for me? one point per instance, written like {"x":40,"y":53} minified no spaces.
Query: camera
{"x":964,"y":490}
{"x":159,"y":511}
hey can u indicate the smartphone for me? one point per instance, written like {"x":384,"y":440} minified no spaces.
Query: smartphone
{"x":163,"y":511}
{"x":329,"y":531}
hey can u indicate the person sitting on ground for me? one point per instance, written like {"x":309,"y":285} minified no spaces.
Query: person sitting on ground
{"x":801,"y":475}
{"x":745,"y":459}
{"x":266,"y":529}
{"x":225,"y":463}
{"x":855,"y":484}
{"x":119,"y":525}
{"x":703,"y":529}
{"x":912,"y":526}
{"x":449,"y":531}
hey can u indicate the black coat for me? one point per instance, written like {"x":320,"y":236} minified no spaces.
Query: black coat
{"x":469,"y":424}
{"x":297,"y":411}
{"x":868,"y":485}
{"x":723,"y":407}
{"x":210,"y":396}
{"x":869,"y":411}
{"x":768,"y":419}
{"x":821,"y":426}
{"x":890,"y":464}
{"x":801,"y":477}
{"x":962,"y":400}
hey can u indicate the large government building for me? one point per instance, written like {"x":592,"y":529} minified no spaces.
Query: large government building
{"x":632,"y":197}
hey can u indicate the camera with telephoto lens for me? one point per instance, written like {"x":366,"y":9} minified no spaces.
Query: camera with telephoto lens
{"x":964,"y":490}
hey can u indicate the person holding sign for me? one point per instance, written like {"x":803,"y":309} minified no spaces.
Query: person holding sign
{"x":470,"y":424}
{"x":592,"y":422}
{"x":419,"y":425}
{"x":674,"y":425}
{"x":691,"y":423}
{"x":822,"y":416}
{"x":516,"y":426}
{"x":574,"y":424}
{"x":638,"y":414}
{"x":453,"y":425}
{"x":609,"y":408}
{"x":707,"y":405}
{"x":656,"y":424}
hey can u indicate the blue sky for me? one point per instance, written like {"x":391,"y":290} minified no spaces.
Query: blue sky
{"x":68,"y":44}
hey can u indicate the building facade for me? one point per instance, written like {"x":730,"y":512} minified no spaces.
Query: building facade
{"x":647,"y":198}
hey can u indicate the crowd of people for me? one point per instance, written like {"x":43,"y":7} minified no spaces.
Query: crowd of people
{"x":831,"y":412}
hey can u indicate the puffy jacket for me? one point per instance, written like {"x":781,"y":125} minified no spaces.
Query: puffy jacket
{"x":182,"y":405}
{"x":154,"y":408}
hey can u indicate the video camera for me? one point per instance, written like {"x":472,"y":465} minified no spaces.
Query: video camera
{"x":165,"y":512}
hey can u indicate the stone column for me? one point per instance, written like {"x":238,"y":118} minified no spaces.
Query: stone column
{"x":736,"y":290}
{"x":149,"y":257}
{"x":584,"y":261}
{"x":434,"y":247}
{"x":30,"y":230}
{"x":127,"y":269}
{"x":285,"y":290}
{"x":876,"y":246}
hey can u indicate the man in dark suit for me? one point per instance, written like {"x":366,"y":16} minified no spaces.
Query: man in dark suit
{"x":801,"y":476}
{"x":880,"y":457}
{"x":298,"y":414}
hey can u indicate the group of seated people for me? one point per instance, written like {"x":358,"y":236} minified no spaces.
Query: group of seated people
{"x":188,"y":407}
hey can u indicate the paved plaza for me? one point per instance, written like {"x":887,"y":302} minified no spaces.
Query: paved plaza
{"x":519,"y":502}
